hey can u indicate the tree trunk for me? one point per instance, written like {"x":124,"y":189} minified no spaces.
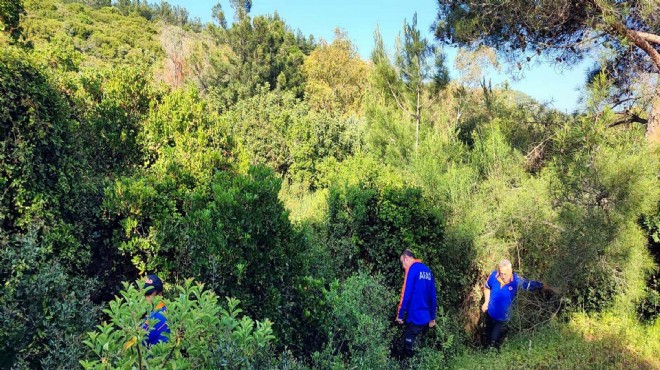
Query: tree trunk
{"x":653,"y":125}
{"x":416,"y":135}
{"x":418,"y":115}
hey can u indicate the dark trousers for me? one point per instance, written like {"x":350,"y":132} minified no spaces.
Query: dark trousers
{"x":494,"y":332}
{"x":410,"y":334}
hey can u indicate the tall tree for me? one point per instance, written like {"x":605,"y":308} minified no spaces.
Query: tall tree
{"x":336,"y":76}
{"x":264,"y":50}
{"x":407,"y":80}
{"x":627,"y":33}
{"x":218,"y":15}
{"x":241,"y":8}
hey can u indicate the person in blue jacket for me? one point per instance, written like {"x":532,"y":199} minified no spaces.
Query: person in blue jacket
{"x":500,"y":291}
{"x":418,"y":301}
{"x":157,"y":319}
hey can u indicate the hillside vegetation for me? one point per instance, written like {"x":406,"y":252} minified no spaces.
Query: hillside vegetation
{"x":272,"y":181}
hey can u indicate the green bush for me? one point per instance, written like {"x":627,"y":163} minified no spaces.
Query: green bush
{"x":232,"y":232}
{"x":280,"y":131}
{"x":604,"y":183}
{"x":369,"y":227}
{"x":203,"y":333}
{"x":47,"y":219}
{"x":359,"y":324}
{"x":44,"y":310}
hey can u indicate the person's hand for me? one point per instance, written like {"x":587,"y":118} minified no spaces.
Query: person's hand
{"x":431,"y":323}
{"x":484,"y":307}
{"x":552,"y":289}
{"x":399,"y":321}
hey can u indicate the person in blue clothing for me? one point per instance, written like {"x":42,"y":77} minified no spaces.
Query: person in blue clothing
{"x":159,"y":332}
{"x":418,"y":300}
{"x":500,"y":291}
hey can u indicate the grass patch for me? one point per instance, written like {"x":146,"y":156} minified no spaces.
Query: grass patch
{"x":597,"y":341}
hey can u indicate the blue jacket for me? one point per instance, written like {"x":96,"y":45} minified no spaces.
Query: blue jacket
{"x":501,"y":296}
{"x":418,"y":296}
{"x":159,"y":329}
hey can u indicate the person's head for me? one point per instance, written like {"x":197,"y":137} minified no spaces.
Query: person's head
{"x":153,"y":286}
{"x":407,"y":258}
{"x":505,"y":270}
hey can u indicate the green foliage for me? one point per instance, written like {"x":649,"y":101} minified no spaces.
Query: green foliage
{"x":265,"y":52}
{"x":43,"y":308}
{"x":611,"y":340}
{"x":48,"y":212}
{"x":368,"y":227}
{"x":280,"y":131}
{"x":358,"y":324}
{"x":262,"y":123}
{"x":10,"y":17}
{"x":336,"y":77}
{"x":182,"y":134}
{"x":404,"y":83}
{"x":190,"y":214}
{"x":113,"y":105}
{"x":386,"y":136}
{"x":204,"y":333}
{"x":34,"y":132}
{"x":43,"y":167}
{"x":241,"y":242}
{"x":185,"y":145}
{"x":601,"y":191}
{"x":300,"y":207}
{"x":319,"y":142}
{"x":104,"y":36}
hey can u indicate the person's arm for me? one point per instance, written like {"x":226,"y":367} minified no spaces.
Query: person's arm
{"x":406,"y":295}
{"x":530,"y":285}
{"x":434,"y":302}
{"x":484,"y":307}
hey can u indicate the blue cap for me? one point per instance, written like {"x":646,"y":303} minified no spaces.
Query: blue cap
{"x":153,"y":284}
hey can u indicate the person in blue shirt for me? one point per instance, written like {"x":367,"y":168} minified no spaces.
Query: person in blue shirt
{"x":500,"y":291}
{"x":418,"y":300}
{"x":159,"y":332}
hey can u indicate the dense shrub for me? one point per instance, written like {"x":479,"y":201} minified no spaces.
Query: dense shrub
{"x":46,"y":218}
{"x":279,"y":131}
{"x":359,"y":324}
{"x":44,"y":310}
{"x":369,"y":227}
{"x":204,"y":334}
{"x":299,"y":211}
{"x":603,"y":184}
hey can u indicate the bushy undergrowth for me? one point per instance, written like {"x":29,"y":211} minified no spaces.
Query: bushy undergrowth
{"x":300,"y":206}
{"x":204,"y":334}
{"x":610,"y":340}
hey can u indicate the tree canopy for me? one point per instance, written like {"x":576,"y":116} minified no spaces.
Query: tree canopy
{"x":626,"y":33}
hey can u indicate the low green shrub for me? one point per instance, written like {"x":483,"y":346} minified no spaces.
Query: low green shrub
{"x":359,"y":324}
{"x":204,"y":334}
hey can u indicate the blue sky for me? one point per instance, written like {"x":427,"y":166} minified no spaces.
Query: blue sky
{"x":359,"y":18}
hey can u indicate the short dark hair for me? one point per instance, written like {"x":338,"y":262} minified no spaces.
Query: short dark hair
{"x":408,"y":253}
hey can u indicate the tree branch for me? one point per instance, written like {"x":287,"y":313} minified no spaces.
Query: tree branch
{"x":634,"y":36}
{"x":649,"y":37}
{"x":396,"y":99}
{"x":632,"y":118}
